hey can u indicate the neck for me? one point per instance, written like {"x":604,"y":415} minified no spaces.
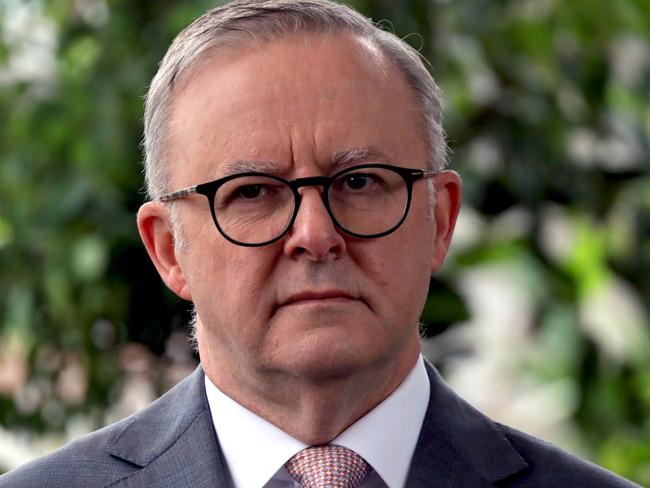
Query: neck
{"x":314,"y":410}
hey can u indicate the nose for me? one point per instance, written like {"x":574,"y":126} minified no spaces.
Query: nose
{"x":313,"y":234}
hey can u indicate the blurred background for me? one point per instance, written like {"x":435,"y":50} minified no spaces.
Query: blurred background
{"x":540,"y":317}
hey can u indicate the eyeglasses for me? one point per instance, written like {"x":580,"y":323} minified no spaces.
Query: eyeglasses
{"x":257,"y":209}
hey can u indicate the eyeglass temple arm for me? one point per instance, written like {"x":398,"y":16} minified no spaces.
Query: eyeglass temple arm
{"x":427,"y":173}
{"x":178,"y":194}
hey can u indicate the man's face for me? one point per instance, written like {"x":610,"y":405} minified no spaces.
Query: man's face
{"x":317,"y":304}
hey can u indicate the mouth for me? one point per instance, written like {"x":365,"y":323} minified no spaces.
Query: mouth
{"x":318,"y":297}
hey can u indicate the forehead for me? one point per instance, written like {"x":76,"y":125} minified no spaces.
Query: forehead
{"x":292,"y":103}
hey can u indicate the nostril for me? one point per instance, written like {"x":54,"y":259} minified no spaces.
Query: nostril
{"x":299,"y":250}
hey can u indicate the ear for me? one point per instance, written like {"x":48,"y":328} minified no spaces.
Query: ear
{"x":156,"y":231}
{"x":447,"y":187}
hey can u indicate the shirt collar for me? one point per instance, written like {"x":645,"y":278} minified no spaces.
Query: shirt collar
{"x":395,"y":422}
{"x":386,"y":436}
{"x":247,"y":439}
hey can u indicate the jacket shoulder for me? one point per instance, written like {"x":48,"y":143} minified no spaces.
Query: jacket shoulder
{"x":461,"y":447}
{"x":118,"y":451}
{"x":83,"y":462}
{"x":549,"y":465}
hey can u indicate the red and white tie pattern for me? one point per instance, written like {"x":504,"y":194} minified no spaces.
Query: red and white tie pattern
{"x":329,"y":466}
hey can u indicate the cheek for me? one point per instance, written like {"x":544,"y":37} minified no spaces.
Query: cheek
{"x":401,"y":258}
{"x":384,"y":274}
{"x":229,"y":295}
{"x":376,"y":268}
{"x":231,"y":284}
{"x":400,"y":271}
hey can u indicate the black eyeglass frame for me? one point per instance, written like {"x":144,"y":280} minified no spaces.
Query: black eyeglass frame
{"x":209,"y":189}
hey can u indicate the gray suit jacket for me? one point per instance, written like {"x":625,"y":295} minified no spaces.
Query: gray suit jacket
{"x":172,"y":443}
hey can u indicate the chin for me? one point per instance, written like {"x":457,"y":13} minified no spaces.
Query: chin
{"x":330,"y":359}
{"x":331,"y":369}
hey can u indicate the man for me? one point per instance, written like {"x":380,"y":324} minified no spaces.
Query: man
{"x":295,"y":162}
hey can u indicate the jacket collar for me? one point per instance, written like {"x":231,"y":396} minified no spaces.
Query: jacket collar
{"x":458,"y":445}
{"x":173,"y":441}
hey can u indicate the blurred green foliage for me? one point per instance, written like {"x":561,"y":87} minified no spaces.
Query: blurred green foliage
{"x":548,"y":118}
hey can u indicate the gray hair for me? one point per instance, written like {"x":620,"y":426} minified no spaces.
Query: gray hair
{"x":242,"y":21}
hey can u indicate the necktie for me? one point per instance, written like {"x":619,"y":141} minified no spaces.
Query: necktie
{"x":329,"y":466}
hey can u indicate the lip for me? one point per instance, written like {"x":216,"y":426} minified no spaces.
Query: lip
{"x":320,"y":296}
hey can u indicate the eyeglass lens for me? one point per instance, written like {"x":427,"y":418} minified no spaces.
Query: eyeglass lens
{"x":258,"y":209}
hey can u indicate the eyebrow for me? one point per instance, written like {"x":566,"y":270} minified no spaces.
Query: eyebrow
{"x":357,"y":155}
{"x":245,"y":166}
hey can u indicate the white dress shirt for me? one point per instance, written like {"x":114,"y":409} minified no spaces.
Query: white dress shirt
{"x":256,"y":450}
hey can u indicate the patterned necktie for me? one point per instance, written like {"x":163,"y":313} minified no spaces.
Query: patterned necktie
{"x":327,"y":466}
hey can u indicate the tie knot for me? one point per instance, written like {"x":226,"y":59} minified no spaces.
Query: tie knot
{"x":328,"y":466}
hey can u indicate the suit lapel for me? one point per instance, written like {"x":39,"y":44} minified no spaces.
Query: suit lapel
{"x":458,"y":446}
{"x":173,"y":442}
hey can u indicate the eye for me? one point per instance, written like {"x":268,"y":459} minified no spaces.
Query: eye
{"x":262,"y":192}
{"x":358,"y":181}
{"x":250,"y":191}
